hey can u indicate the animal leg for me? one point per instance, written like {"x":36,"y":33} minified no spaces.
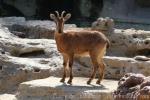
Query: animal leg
{"x":95,"y":66}
{"x":70,"y":69}
{"x":101,"y":72}
{"x":101,"y":67}
{"x":65,"y":63}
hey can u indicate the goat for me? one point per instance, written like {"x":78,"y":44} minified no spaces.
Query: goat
{"x":73,"y":43}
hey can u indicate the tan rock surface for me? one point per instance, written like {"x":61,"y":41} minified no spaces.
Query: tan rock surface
{"x":7,"y":97}
{"x":44,"y":89}
{"x":116,"y":67}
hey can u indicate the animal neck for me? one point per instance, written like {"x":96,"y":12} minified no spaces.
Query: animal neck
{"x":59,"y":29}
{"x":57,"y":35}
{"x":59,"y":32}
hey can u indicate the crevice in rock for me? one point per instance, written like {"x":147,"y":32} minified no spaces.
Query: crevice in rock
{"x":32,"y":53}
{"x":19,"y":34}
{"x":143,"y":52}
{"x":1,"y":67}
{"x":134,"y":36}
{"x":146,"y":42}
{"x":36,"y":70}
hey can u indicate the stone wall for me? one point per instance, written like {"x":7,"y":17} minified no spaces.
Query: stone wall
{"x":41,"y":9}
{"x":136,"y":11}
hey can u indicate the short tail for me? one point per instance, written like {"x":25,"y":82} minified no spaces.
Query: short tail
{"x":108,"y":43}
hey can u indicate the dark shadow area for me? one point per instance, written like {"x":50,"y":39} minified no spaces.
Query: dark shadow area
{"x":32,"y":53}
{"x":36,"y":70}
{"x":29,"y":54}
{"x":45,"y":7}
{"x":143,"y":52}
{"x":8,"y":10}
{"x":97,"y":6}
{"x":1,"y":67}
{"x":143,"y":3}
{"x":76,"y":88}
{"x":84,"y":12}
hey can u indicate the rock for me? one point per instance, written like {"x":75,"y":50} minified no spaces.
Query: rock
{"x":9,"y":21}
{"x":130,"y":10}
{"x":125,"y":13}
{"x":19,"y":62}
{"x":133,"y":86}
{"x":44,"y":89}
{"x":129,"y":43}
{"x":32,"y":29}
{"x":7,"y":97}
{"x":19,"y":34}
{"x":146,"y":82}
{"x":116,"y":67}
{"x":141,"y":58}
{"x":105,"y":25}
{"x":131,"y":80}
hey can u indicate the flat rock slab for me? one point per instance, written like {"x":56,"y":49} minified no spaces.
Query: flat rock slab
{"x":51,"y":89}
{"x":7,"y":97}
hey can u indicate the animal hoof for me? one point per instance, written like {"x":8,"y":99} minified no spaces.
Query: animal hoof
{"x":69,"y":82}
{"x":62,"y":80}
{"x":98,"y":82}
{"x":88,"y":82}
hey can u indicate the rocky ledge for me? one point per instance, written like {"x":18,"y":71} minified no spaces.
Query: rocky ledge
{"x":51,"y":89}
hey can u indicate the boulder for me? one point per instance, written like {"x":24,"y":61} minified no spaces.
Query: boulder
{"x":133,"y":86}
{"x":105,"y":25}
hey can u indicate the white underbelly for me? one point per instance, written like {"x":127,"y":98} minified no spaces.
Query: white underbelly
{"x":85,"y":54}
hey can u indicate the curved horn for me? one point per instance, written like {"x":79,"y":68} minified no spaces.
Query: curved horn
{"x":62,"y":13}
{"x":57,"y":13}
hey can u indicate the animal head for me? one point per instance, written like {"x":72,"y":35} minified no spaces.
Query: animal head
{"x":60,"y":20}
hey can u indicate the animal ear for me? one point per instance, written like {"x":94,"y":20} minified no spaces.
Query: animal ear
{"x":67,"y":16}
{"x":52,"y":16}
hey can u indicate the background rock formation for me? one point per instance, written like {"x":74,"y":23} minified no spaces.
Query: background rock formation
{"x":30,"y":57}
{"x":135,"y":11}
{"x":28,"y":51}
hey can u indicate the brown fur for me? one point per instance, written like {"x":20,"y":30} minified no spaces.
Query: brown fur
{"x":79,"y":42}
{"x":72,"y":43}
